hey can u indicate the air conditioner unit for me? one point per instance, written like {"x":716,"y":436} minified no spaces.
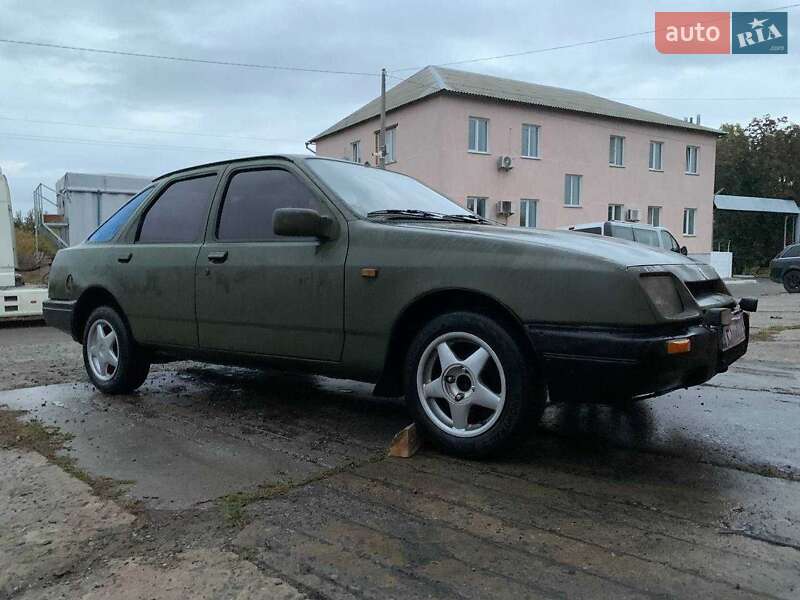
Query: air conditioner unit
{"x":503,"y":208}
{"x":632,"y":214}
{"x":505,"y":163}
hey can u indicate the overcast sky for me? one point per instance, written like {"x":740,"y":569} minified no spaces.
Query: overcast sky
{"x":91,"y":94}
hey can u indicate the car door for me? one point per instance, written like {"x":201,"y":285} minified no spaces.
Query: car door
{"x":156,"y":273}
{"x":260,"y":293}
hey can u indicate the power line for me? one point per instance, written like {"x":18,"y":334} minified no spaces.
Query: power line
{"x":116,"y":143}
{"x":145,"y":130}
{"x":184,"y":59}
{"x":571,"y":45}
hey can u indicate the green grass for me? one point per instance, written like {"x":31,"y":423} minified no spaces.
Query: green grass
{"x":767,"y":334}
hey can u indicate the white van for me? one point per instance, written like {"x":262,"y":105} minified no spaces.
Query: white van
{"x":658,"y":237}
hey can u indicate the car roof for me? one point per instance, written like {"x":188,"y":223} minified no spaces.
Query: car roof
{"x":295,"y":158}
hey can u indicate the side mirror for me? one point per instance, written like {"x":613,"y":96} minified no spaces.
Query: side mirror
{"x":684,"y":251}
{"x":302,"y":222}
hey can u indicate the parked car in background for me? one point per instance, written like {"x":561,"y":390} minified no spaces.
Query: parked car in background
{"x":325,"y":266}
{"x":658,"y":237}
{"x":785,"y":268}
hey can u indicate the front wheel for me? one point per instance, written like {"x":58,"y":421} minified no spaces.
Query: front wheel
{"x":113,"y":360}
{"x":791,"y":281}
{"x":470,"y":386}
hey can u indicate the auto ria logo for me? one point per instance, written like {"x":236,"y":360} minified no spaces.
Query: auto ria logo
{"x":721,"y":32}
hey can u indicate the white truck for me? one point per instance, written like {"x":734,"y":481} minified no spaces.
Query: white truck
{"x":18,"y":301}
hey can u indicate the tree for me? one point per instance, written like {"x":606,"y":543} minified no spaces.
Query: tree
{"x":763,"y":160}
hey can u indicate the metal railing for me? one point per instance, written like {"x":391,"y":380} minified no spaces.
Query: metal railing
{"x":43,"y":199}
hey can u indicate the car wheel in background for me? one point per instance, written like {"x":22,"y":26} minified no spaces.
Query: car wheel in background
{"x":113,"y":361}
{"x":469,"y":385}
{"x":791,"y":281}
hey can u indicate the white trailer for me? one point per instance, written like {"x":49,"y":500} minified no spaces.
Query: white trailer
{"x":16,"y":301}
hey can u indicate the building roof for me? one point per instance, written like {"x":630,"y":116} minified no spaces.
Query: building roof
{"x":435,"y":80}
{"x":751,"y":204}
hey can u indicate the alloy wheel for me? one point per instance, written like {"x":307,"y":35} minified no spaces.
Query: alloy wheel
{"x":102,"y":348}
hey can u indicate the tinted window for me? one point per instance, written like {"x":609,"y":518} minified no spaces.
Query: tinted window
{"x":251,"y":199}
{"x":669,"y":241}
{"x":622,"y":232}
{"x":791,"y":252}
{"x":109,"y":229}
{"x":647,"y":236}
{"x":179,"y":214}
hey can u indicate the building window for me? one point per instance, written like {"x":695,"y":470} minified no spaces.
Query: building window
{"x":391,"y":144}
{"x":477,"y":205}
{"x":355,"y":151}
{"x":530,"y":141}
{"x":478,"y":135}
{"x":691,"y":159}
{"x":527,"y":212}
{"x":688,"y":220}
{"x":656,"y":149}
{"x":615,"y":150}
{"x":572,"y":190}
{"x":615,"y":212}
{"x":654,"y":216}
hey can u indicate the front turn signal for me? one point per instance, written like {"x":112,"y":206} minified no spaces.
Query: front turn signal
{"x":679,"y":346}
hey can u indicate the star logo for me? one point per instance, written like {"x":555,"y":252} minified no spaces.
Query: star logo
{"x":757,"y":23}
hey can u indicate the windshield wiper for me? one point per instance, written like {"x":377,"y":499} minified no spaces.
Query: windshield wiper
{"x":410,"y":213}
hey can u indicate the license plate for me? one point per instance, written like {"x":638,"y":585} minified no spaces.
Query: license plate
{"x":733,"y":334}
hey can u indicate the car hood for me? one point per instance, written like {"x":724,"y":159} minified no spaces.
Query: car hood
{"x":621,"y":252}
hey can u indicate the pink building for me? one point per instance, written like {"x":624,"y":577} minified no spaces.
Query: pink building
{"x":573,"y":157}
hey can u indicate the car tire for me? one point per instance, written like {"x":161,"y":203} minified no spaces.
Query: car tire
{"x":791,"y":281}
{"x":114,"y":362}
{"x":471,"y":355}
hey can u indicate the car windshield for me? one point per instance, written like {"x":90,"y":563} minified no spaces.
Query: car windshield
{"x":369,"y":190}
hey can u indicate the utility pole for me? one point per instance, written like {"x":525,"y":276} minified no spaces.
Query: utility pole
{"x":382,"y":135}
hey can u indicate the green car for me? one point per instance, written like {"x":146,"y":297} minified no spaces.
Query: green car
{"x":329,"y":267}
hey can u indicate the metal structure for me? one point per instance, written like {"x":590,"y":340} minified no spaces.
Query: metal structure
{"x":80,"y":203}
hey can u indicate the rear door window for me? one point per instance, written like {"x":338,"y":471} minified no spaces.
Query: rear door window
{"x":108,"y":230}
{"x":646,"y":236}
{"x":179,"y":214}
{"x":622,"y":232}
{"x":251,"y":199}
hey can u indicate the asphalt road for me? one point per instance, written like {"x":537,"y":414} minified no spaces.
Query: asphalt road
{"x":278,"y":485}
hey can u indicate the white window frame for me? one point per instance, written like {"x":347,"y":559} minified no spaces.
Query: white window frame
{"x":692,"y":166}
{"x":573,"y":184}
{"x":653,"y":165}
{"x":689,"y":222}
{"x":528,"y":211}
{"x":613,"y":209}
{"x":616,"y":151}
{"x":476,"y":148}
{"x":391,"y":144}
{"x":477,"y":205}
{"x":527,"y":138}
{"x":654,"y":210}
{"x":355,"y":151}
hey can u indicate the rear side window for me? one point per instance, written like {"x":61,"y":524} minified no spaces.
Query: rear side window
{"x":251,"y":199}
{"x":669,"y":241}
{"x":791,"y":252}
{"x":180,"y":212}
{"x":622,"y":232}
{"x":647,"y":236}
{"x":109,"y":229}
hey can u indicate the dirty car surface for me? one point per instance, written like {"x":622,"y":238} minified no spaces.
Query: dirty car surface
{"x":325,"y":266}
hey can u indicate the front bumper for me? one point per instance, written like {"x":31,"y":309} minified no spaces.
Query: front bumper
{"x":60,"y":314}
{"x":605,"y":364}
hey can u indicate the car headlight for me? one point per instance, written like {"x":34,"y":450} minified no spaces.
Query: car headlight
{"x":663,"y":294}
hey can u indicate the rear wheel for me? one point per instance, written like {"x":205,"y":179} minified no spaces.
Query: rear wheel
{"x":791,"y":281}
{"x":469,"y":385}
{"x":113,"y":361}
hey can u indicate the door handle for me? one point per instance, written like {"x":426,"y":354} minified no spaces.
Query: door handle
{"x":125,"y":258}
{"x":218,"y":257}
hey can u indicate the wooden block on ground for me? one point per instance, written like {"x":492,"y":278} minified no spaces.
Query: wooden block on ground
{"x":406,"y":443}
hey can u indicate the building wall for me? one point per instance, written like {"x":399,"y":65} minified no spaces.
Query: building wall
{"x":432,"y":145}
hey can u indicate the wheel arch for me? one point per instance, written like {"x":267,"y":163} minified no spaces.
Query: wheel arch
{"x":431,"y":305}
{"x":90,"y":299}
